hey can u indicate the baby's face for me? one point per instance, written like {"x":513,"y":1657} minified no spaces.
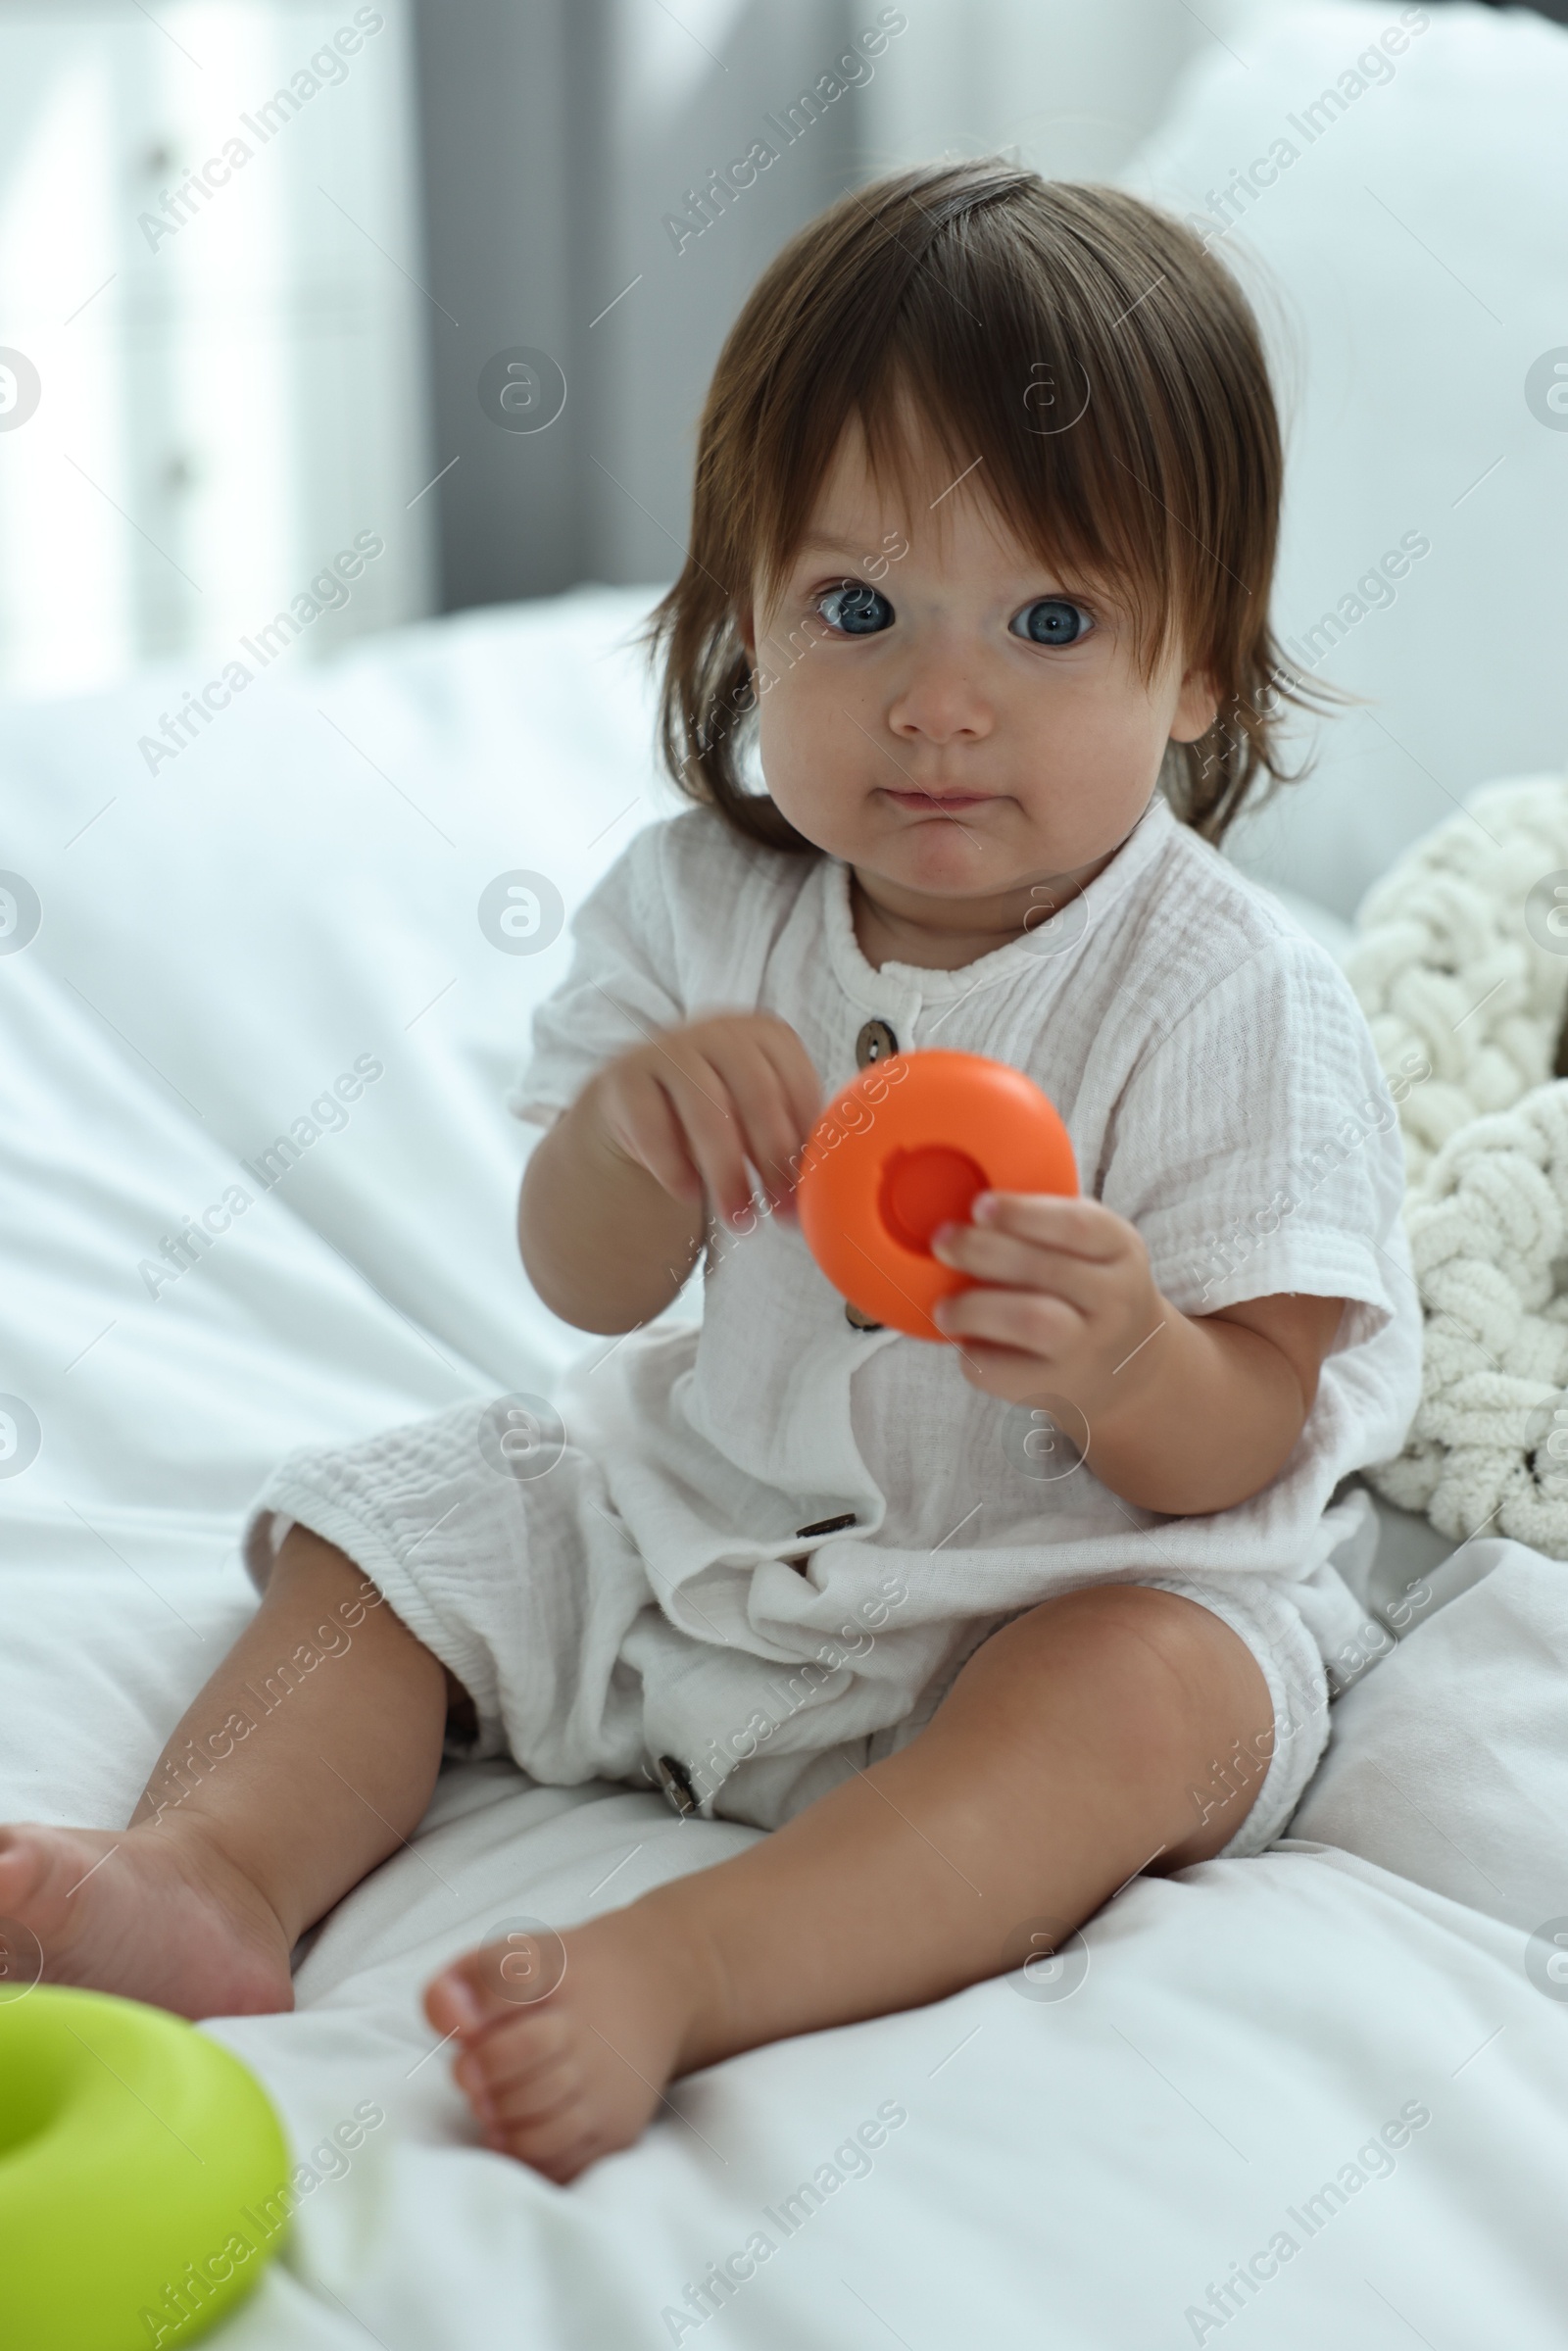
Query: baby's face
{"x":946,"y":716}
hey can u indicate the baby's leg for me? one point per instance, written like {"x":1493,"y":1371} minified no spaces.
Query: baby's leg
{"x":1062,"y":1763}
{"x":282,"y":1785}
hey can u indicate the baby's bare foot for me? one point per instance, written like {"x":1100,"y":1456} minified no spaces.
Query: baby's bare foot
{"x":153,"y":1914}
{"x":560,"y":2075}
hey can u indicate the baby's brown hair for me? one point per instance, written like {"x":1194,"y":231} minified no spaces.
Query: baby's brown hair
{"x":1083,"y":350}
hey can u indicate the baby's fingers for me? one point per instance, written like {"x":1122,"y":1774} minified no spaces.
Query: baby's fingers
{"x":988,"y":1255}
{"x":797,"y":1076}
{"x":776,"y":1093}
{"x":1085,"y":1227}
{"x":713,"y":1134}
{"x":1030,"y":1320}
{"x":769,"y":1131}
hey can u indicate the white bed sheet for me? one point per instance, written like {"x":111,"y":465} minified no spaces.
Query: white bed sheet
{"x":1074,"y":2171}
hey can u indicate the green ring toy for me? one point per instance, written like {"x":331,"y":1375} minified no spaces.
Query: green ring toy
{"x":137,"y":2161}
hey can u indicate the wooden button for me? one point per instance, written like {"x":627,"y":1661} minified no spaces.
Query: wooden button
{"x":874,"y":1042}
{"x":859,"y":1321}
{"x":829,"y":1526}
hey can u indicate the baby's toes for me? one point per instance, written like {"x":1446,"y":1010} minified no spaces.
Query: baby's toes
{"x":536,"y":2100}
{"x":23,"y":1868}
{"x":509,"y":2068}
{"x":557,"y":2139}
{"x":495,"y":1980}
{"x":464,"y":1999}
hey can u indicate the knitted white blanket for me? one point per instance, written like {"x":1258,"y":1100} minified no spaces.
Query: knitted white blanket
{"x":1461,"y":967}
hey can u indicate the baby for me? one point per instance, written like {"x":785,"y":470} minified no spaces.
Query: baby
{"x":984,"y":526}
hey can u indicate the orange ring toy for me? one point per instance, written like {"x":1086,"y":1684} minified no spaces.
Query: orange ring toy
{"x":904,"y":1148}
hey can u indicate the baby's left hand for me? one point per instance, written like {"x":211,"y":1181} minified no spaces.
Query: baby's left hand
{"x":1065,"y":1301}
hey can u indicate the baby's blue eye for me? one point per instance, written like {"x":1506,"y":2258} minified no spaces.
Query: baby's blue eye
{"x":861,"y":611}
{"x":1052,"y":620}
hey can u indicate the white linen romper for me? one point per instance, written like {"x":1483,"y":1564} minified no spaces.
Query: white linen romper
{"x":752,"y":1553}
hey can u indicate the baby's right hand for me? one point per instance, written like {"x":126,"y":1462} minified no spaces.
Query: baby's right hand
{"x":698,"y":1102}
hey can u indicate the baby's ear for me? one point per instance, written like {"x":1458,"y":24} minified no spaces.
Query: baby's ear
{"x":1197,"y":707}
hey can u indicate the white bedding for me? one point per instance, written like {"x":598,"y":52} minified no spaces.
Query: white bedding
{"x":1076,"y":2171}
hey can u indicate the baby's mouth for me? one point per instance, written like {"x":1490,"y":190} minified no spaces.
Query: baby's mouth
{"x":942,"y":804}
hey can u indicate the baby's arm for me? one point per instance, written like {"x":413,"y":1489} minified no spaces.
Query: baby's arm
{"x":614,"y":1202}
{"x":1186,"y":1414}
{"x":1216,"y":1417}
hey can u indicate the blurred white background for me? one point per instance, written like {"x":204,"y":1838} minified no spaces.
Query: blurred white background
{"x":231,"y":371}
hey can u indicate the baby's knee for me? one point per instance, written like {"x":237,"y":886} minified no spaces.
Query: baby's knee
{"x":1163,"y":1640}
{"x":1134,"y":1630}
{"x":1149,"y":1672}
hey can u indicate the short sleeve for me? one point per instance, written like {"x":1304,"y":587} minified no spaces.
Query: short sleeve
{"x":1257,"y":1147}
{"x":620,"y":985}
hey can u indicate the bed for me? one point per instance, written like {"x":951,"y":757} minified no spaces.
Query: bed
{"x":1359,"y":2033}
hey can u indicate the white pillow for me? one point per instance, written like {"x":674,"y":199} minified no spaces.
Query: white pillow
{"x":1446,"y":1763}
{"x":1408,"y":268}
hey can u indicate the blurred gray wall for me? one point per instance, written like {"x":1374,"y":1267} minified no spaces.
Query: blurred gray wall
{"x":555,"y":136}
